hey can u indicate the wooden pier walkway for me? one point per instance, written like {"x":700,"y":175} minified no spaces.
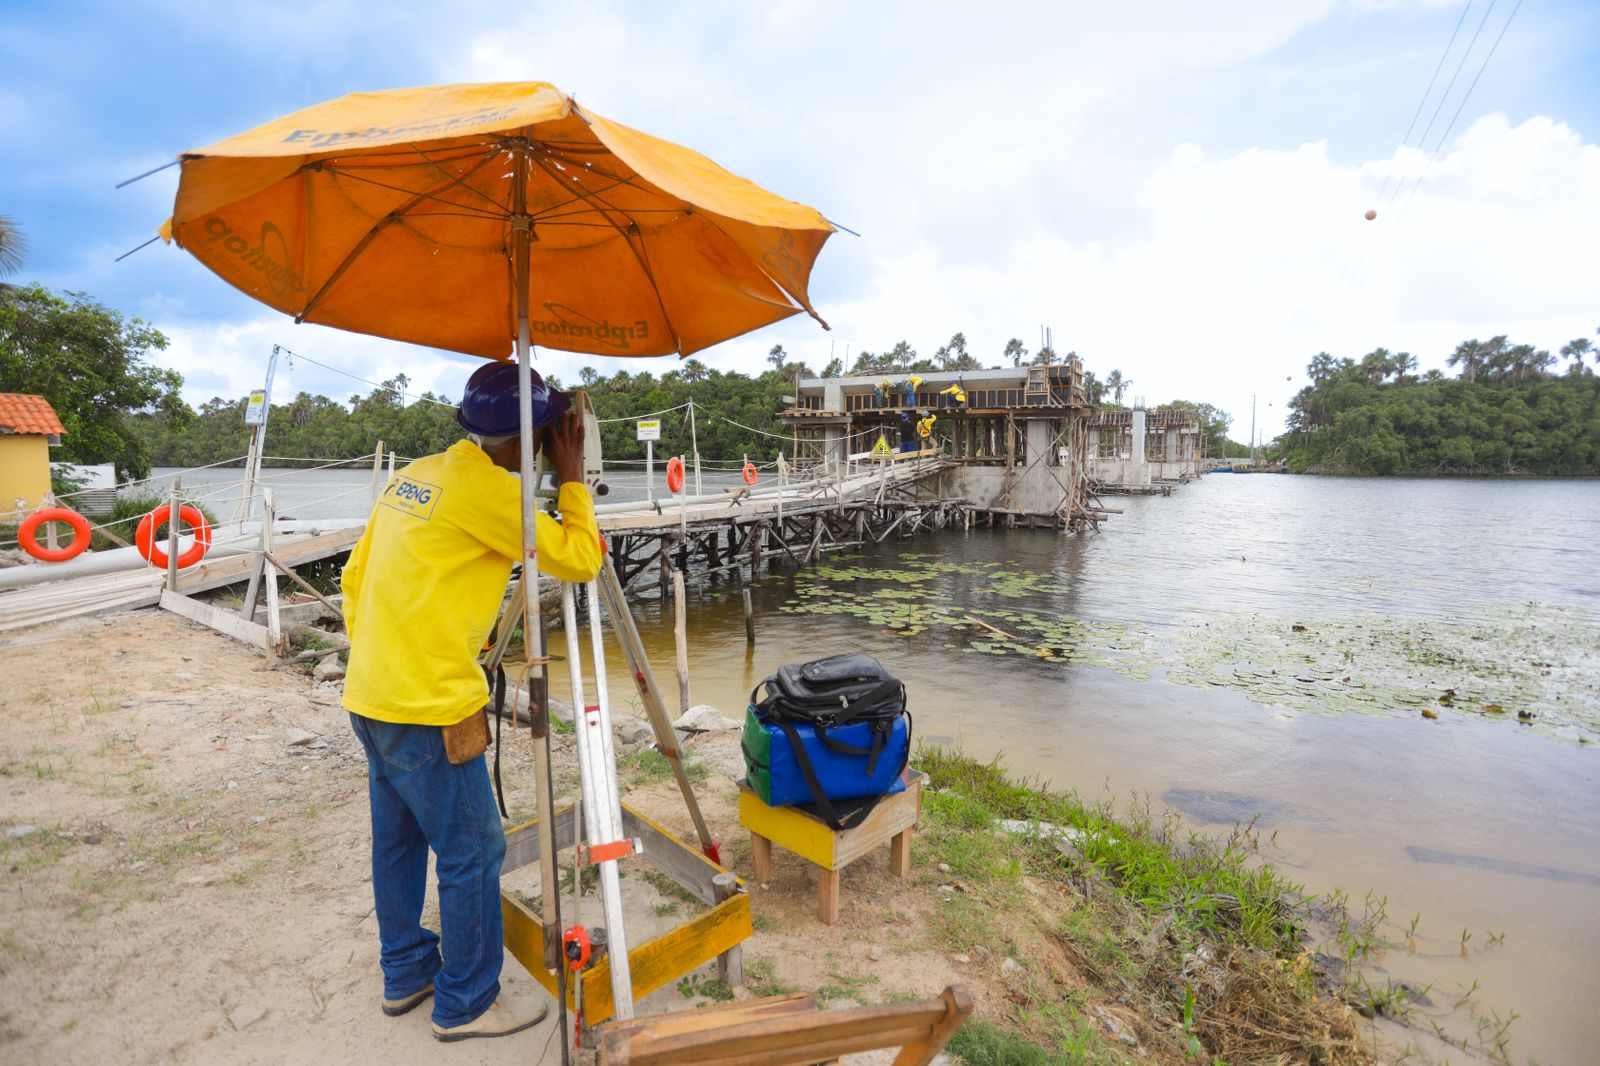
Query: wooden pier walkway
{"x":700,"y":536}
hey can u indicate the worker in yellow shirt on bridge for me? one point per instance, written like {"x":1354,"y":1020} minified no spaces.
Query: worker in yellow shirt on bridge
{"x":421,"y":592}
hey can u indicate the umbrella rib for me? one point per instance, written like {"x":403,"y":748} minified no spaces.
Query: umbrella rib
{"x":371,"y":235}
{"x":605,"y":210}
{"x":765,"y":273}
{"x":496,"y":215}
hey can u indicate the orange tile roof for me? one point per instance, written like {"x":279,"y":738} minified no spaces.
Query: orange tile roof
{"x":23,"y":412}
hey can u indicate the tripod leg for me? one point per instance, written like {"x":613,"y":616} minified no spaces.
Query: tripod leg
{"x":602,"y":809}
{"x":650,"y":695}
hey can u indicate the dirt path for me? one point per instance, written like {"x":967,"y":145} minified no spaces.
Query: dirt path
{"x":185,"y":871}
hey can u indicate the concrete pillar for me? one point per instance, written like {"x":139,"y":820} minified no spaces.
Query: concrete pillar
{"x":1138,"y":469}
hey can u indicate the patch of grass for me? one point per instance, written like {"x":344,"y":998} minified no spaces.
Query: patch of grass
{"x":666,"y":886}
{"x":705,"y":987}
{"x":843,"y":986}
{"x":647,"y":766}
{"x":980,"y":1043}
{"x":1186,"y":927}
{"x":761,"y":977}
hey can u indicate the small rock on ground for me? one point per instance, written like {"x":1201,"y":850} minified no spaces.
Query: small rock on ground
{"x":246,"y":1015}
{"x":703,"y":718}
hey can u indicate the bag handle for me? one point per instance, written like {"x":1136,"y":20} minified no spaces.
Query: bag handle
{"x":851,"y":709}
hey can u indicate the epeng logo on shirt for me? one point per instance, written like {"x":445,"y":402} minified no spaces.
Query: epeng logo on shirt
{"x":412,"y":497}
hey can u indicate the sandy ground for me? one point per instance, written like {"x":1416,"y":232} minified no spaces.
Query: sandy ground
{"x":185,"y":867}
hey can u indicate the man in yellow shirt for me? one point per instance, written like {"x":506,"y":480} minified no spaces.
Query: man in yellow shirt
{"x":421,"y":592}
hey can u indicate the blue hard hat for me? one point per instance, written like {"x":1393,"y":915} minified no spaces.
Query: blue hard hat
{"x":489,"y":402}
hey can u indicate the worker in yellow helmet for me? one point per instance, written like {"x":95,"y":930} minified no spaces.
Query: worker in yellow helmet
{"x":421,"y":592}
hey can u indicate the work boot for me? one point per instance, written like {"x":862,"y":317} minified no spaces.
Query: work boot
{"x":396,"y":1007}
{"x":506,"y":1015}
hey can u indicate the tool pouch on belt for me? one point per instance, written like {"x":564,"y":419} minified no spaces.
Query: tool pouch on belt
{"x":468,"y":738}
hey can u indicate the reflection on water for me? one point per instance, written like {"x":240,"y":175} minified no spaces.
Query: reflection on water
{"x":1357,"y":801}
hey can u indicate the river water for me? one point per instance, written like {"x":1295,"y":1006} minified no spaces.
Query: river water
{"x":1398,"y":679}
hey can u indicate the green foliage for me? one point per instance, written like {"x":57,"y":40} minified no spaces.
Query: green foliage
{"x":309,"y":427}
{"x":89,"y":362}
{"x":1505,"y":414}
{"x":1214,"y":423}
{"x":13,"y":247}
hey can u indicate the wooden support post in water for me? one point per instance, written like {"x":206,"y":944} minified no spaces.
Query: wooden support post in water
{"x":749,"y":621}
{"x":680,"y":637}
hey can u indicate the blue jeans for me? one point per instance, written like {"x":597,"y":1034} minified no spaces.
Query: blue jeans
{"x":420,"y":800}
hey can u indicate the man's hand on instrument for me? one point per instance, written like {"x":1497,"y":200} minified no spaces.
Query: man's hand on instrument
{"x":563,"y":439}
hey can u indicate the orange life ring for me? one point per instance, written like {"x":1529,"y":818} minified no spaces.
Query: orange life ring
{"x":675,"y":474}
{"x":144,"y":538}
{"x":749,"y":472}
{"x":28,"y":540}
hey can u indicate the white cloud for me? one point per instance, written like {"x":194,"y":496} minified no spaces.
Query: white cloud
{"x":230,"y":359}
{"x":1244,"y":267}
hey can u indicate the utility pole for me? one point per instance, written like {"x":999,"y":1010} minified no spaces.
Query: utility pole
{"x":1252,"y":431}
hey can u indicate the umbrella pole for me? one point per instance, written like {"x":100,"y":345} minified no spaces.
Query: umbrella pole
{"x":532,"y":620}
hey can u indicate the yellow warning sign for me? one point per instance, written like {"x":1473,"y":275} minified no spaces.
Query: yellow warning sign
{"x":881,"y":450}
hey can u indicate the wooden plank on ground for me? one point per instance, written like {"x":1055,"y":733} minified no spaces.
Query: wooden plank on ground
{"x":225,"y":622}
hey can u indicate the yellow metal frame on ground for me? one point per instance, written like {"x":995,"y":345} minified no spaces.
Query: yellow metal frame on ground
{"x":653,"y":964}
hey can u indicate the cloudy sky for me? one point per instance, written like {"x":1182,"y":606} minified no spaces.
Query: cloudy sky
{"x":1174,"y":189}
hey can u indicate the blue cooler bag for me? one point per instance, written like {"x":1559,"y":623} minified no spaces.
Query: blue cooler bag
{"x":831,"y":730}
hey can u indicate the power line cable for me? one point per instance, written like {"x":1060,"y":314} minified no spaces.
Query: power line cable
{"x":366,"y":381}
{"x":1428,"y":91}
{"x":1445,"y":136}
{"x":1462,"y":62}
{"x":1482,"y":67}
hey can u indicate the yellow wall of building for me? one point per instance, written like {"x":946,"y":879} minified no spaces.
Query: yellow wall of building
{"x":24,"y":474}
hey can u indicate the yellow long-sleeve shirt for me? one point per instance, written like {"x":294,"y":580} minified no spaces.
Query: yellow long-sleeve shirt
{"x":424,"y":583}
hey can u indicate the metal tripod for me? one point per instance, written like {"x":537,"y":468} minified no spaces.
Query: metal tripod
{"x":603,"y":840}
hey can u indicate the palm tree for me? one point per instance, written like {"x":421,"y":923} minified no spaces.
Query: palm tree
{"x":777,"y":357}
{"x":1117,"y":383}
{"x":694,"y":371}
{"x":13,"y":248}
{"x":1015,"y":351}
{"x":1469,"y":356}
{"x":1578,"y":350}
{"x":1402,"y":364}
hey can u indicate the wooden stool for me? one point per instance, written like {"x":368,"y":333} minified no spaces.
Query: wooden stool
{"x":891,"y":821}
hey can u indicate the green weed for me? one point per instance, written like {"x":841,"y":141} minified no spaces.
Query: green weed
{"x":705,"y":987}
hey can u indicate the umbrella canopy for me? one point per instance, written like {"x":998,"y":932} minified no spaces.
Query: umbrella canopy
{"x":397,"y":213}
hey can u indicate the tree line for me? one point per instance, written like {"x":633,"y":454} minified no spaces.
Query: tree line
{"x":1512,"y":409}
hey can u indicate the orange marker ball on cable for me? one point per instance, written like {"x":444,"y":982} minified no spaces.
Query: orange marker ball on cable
{"x":1371,"y":215}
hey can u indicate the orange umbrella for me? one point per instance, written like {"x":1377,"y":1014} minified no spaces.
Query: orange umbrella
{"x":399,"y":214}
